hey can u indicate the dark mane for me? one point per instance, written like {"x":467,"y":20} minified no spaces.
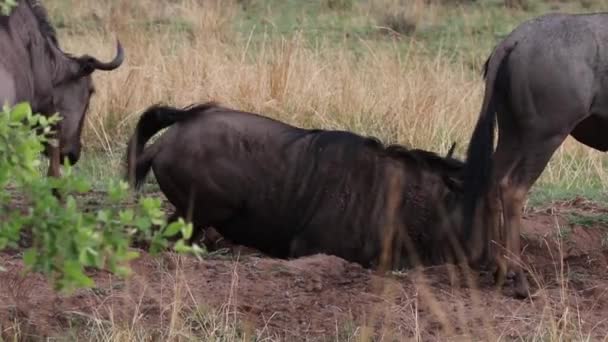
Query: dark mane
{"x":426,"y":159}
{"x":203,"y":106}
{"x":432,"y":159}
{"x":42,"y":16}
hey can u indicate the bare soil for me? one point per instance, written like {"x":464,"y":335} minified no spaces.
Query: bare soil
{"x":323,"y":297}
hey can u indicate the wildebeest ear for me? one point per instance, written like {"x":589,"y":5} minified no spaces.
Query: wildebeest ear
{"x":451,"y":151}
{"x":86,"y":66}
{"x":453,"y":183}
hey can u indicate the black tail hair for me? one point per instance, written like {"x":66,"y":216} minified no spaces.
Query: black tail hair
{"x":152,"y":120}
{"x":478,"y":167}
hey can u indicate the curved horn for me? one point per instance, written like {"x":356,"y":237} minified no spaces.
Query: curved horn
{"x":451,"y":151}
{"x":113,"y":64}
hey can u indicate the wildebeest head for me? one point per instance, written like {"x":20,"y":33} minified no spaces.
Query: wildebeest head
{"x":72,"y":84}
{"x":431,"y":196}
{"x":71,"y":98}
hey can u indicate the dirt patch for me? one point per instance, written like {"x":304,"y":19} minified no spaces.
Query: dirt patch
{"x":326,"y":298}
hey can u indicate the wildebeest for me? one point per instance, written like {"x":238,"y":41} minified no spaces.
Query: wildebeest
{"x":546,"y":80}
{"x":33,"y":68}
{"x":289,"y":192}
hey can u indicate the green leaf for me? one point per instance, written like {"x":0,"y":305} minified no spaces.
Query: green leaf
{"x":30,"y":256}
{"x":117,"y":190}
{"x":103,"y":216}
{"x":82,"y":186}
{"x":181,"y":247}
{"x":6,"y":6}
{"x":197,"y":250}
{"x":3,"y":242}
{"x":186,"y":230}
{"x":131,"y":255}
{"x":126,"y":216}
{"x":90,"y":257}
{"x":172,"y":229}
{"x":73,"y":271}
{"x":123,"y":271}
{"x":143,"y":223}
{"x":20,"y":112}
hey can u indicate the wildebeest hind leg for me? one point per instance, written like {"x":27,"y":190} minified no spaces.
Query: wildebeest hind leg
{"x":54,"y":165}
{"x":492,"y":236}
{"x":534,"y":156}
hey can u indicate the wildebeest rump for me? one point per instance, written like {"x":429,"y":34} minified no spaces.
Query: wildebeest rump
{"x":33,"y":68}
{"x":289,"y":192}
{"x":547,"y":79}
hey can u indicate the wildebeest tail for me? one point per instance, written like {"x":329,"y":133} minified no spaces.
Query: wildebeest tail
{"x":478,"y":167}
{"x":153,"y":119}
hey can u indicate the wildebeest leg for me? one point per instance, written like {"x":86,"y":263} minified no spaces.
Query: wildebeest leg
{"x":202,"y":213}
{"x":505,"y":160}
{"x":54,"y":162}
{"x":533,"y":156}
{"x":54,"y":165}
{"x":492,"y":220}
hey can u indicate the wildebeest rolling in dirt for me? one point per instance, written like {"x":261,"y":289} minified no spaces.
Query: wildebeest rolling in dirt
{"x":290,"y":192}
{"x":33,"y":68}
{"x":546,"y":80}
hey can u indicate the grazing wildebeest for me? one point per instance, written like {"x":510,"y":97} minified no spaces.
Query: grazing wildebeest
{"x":33,"y":68}
{"x":289,"y":192}
{"x":546,"y":80}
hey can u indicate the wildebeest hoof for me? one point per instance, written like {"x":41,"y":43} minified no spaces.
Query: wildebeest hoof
{"x":500,"y":277}
{"x":522,"y":289}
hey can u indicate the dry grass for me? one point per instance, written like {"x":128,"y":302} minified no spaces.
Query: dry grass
{"x":184,"y":318}
{"x":179,"y":52}
{"x":404,"y":17}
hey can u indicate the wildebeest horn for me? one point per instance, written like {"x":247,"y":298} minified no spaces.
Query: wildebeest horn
{"x":451,"y":151}
{"x":113,"y":64}
{"x":90,"y":64}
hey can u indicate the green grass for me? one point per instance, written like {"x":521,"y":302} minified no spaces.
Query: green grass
{"x":588,"y":220}
{"x":460,"y":32}
{"x":545,"y":193}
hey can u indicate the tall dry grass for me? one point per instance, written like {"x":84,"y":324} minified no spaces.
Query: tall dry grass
{"x":419,"y":314}
{"x":180,"y":52}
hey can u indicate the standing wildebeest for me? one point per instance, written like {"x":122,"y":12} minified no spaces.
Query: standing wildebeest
{"x":544,"y":81}
{"x":290,"y":192}
{"x":34,"y":69}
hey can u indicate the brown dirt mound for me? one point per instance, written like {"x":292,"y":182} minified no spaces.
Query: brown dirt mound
{"x":326,"y":298}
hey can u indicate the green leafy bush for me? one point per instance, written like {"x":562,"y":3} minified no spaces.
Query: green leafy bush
{"x":65,"y":238}
{"x":6,"y":6}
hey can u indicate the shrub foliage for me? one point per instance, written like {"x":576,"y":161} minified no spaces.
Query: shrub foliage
{"x":65,"y":238}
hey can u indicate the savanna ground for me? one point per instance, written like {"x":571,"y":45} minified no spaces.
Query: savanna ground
{"x":404,"y":71}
